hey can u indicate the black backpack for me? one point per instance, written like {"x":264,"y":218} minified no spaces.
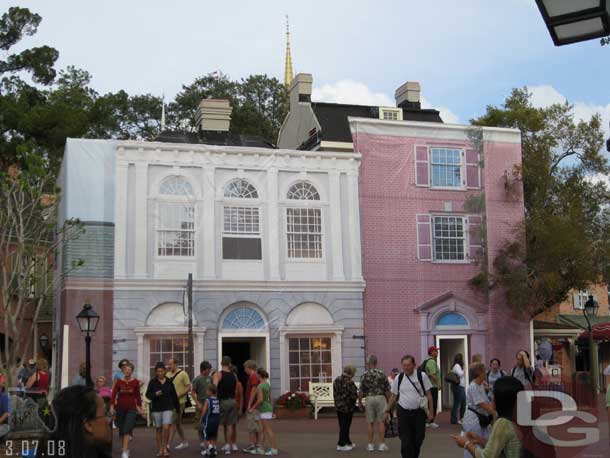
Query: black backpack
{"x":422,"y":366}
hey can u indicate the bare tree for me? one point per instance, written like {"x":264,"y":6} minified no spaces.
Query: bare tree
{"x":29,"y":243}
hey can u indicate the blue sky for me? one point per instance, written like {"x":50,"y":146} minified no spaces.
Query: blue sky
{"x":465,"y":54}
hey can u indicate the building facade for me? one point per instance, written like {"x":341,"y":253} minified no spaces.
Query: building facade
{"x":271,"y":238}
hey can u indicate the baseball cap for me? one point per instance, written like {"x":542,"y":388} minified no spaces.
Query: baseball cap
{"x":432,"y":348}
{"x":395,"y":369}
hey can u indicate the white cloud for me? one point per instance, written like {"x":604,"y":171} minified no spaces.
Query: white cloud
{"x":354,"y":92}
{"x":545,"y":95}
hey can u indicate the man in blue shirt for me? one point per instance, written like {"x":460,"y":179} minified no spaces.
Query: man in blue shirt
{"x":5,"y":411}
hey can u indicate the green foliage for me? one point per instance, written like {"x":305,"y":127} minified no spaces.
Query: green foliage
{"x":562,"y":241}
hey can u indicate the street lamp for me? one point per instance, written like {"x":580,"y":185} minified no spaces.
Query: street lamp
{"x":44,"y":341}
{"x":571,"y":21}
{"x":87,"y":322}
{"x":590,"y":310}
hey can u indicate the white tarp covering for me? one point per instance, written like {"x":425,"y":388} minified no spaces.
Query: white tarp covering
{"x":87,"y":180}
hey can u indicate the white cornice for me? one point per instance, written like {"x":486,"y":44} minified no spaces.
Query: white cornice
{"x":213,"y":285}
{"x":430,"y":130}
{"x":142,"y":330}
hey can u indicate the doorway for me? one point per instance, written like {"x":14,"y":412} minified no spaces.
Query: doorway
{"x":449,"y":346}
{"x":241,"y":349}
{"x":239,"y":352}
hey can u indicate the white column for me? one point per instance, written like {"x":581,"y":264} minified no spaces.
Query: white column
{"x":273,"y":235}
{"x":141,"y":364}
{"x":353,"y":223}
{"x":198,"y":351}
{"x":335,"y":224}
{"x":208,"y":226}
{"x":141,"y":220}
{"x":284,"y":375}
{"x":120,"y":220}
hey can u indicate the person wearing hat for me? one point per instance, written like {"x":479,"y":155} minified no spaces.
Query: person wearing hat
{"x":430,"y":367}
{"x":345,"y":395}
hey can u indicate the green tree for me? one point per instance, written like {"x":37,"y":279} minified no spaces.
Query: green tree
{"x":560,"y":245}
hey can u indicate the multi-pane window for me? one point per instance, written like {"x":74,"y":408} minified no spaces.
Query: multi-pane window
{"x":580,"y":298}
{"x":241,"y":234}
{"x":304,"y":232}
{"x":446,"y":167}
{"x":176,"y":229}
{"x":390,"y":114}
{"x":309,"y":360}
{"x":449,"y":238}
{"x":163,"y":348}
{"x":303,"y":191}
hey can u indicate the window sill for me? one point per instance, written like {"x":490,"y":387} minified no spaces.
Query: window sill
{"x":451,"y":262}
{"x":305,"y":260}
{"x":174,"y":258}
{"x":241,"y":261}
{"x":441,"y":188}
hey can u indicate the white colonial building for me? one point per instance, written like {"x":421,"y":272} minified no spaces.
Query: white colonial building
{"x":271,"y":237}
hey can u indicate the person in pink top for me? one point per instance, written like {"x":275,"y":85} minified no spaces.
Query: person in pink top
{"x":104,"y":391}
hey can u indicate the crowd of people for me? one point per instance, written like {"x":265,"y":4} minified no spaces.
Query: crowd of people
{"x":403,"y":404}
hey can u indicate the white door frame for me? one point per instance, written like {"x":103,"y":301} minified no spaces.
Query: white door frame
{"x":438,"y":339}
{"x":245,"y":334}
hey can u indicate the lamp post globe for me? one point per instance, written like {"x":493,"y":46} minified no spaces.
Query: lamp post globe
{"x":572,"y":21}
{"x":87,"y":321}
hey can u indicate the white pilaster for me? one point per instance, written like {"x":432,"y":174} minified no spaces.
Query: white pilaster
{"x":140,"y":365}
{"x":353,"y":223}
{"x":273,"y":235}
{"x":120,"y":220}
{"x":207,"y":228}
{"x":335,"y":224}
{"x":337,"y":354}
{"x":140,"y":220}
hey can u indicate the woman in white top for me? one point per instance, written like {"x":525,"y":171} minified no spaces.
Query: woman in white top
{"x":478,"y":404}
{"x":458,"y":391}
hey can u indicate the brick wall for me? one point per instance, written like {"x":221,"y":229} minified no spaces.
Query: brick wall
{"x":397,"y":282}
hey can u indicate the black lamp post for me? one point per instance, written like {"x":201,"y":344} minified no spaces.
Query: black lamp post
{"x":572,"y":21}
{"x":44,"y":342}
{"x":87,"y":322}
{"x":589,"y":311}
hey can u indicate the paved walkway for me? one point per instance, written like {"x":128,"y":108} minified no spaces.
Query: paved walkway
{"x":310,"y":438}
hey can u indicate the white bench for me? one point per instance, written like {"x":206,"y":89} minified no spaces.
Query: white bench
{"x":321,"y":395}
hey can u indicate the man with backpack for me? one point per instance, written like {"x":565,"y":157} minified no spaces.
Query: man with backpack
{"x":430,"y":367}
{"x":411,"y":390}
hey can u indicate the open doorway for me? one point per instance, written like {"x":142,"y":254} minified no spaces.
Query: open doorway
{"x":449,"y":346}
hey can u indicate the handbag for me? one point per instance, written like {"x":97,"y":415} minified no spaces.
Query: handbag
{"x":391,"y":427}
{"x":452,"y":377}
{"x":484,"y":420}
{"x":188,"y":403}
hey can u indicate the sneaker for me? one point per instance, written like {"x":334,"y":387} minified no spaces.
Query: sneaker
{"x":352,"y":445}
{"x":249,"y":449}
{"x":205,"y":452}
{"x":433,"y":425}
{"x":344,"y":448}
{"x":271,"y":452}
{"x":226,"y":447}
{"x":370,"y":448}
{"x":212,"y":452}
{"x":383,"y":448}
{"x":459,"y":422}
{"x":427,"y":425}
{"x":181,"y":446}
{"x":228,"y":450}
{"x":234,"y":448}
{"x":124,"y":455}
{"x":258,"y":451}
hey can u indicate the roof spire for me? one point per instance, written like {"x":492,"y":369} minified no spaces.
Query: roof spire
{"x":288,"y":59}
{"x":163,"y":112}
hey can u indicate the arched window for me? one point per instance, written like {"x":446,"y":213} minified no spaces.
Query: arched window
{"x":240,"y":189}
{"x":243,"y":317}
{"x":303,"y":191}
{"x":175,"y":186}
{"x":451,"y":319}
{"x":304,"y":224}
{"x":176,"y":218}
{"x":241,"y":236}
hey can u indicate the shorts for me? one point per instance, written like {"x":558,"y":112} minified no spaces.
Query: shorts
{"x":228,"y":412}
{"x":375,"y":407}
{"x":125,"y":421}
{"x":209,"y":429}
{"x":266,"y":415}
{"x":177,"y":416}
{"x":162,"y":418}
{"x":252,"y":419}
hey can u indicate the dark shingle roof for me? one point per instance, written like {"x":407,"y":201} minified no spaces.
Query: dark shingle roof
{"x":213,"y":138}
{"x":335,"y":127}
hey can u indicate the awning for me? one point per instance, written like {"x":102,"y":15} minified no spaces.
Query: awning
{"x":601,"y":331}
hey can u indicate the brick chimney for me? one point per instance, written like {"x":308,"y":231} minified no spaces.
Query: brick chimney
{"x":213,"y":115}
{"x":300,"y":89}
{"x":407,"y":95}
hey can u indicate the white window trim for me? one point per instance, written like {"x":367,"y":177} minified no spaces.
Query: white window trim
{"x":245,"y":235}
{"x":463,"y":186}
{"x":157,"y":219}
{"x":336,"y":344}
{"x":383,"y":110}
{"x":466,"y":259}
{"x":322,"y":258}
{"x":582,"y":294}
{"x":145,"y":333}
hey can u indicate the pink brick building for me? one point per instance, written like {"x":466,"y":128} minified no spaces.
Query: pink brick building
{"x":430,"y":195}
